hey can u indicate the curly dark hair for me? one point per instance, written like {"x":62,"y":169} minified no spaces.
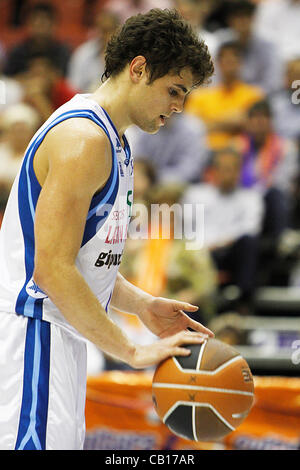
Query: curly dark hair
{"x":167,"y":42}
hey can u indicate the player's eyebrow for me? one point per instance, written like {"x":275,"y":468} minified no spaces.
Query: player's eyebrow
{"x":182,"y":87}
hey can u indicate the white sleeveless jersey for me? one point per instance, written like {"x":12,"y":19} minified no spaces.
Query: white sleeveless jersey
{"x":105,"y":231}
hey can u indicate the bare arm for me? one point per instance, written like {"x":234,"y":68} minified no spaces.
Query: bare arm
{"x":79,"y":164}
{"x":128,"y":298}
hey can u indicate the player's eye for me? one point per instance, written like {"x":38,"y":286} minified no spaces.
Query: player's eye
{"x":173,"y":92}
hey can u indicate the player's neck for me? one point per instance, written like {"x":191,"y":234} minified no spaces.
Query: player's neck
{"x":112,"y":95}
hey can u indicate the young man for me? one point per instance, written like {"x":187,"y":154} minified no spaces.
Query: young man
{"x":63,"y":236}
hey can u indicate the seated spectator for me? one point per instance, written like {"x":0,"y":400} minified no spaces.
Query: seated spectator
{"x":87,"y":61}
{"x":285,"y":103}
{"x":270,"y":165}
{"x":232,"y":223}
{"x":178,"y":151}
{"x":40,"y":39}
{"x":44,"y":87}
{"x":196,"y":13}
{"x":278,"y":21}
{"x":223,"y":106}
{"x":19,"y":123}
{"x":260,"y":61}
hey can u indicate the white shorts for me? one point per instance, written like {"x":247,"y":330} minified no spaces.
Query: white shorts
{"x":42,"y":385}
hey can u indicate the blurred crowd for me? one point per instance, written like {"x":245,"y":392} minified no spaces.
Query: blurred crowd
{"x":234,"y":149}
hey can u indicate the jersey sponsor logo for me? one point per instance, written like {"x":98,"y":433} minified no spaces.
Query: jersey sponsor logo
{"x":108,"y":259}
{"x":34,"y":290}
{"x":116,"y":235}
{"x":118,"y":215}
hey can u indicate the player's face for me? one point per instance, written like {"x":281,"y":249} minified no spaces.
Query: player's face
{"x":156,"y":102}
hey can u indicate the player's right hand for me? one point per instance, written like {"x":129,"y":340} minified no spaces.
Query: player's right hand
{"x":153,"y":354}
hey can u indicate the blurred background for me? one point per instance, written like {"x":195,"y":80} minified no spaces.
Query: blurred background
{"x":235,"y":149}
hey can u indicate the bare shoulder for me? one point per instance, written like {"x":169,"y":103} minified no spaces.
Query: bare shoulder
{"x":77,"y":135}
{"x":79,"y":148}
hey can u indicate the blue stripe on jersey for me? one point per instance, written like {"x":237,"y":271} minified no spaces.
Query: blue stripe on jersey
{"x":127,"y":150}
{"x":111,"y":123}
{"x":99,"y":214}
{"x":103,"y":204}
{"x":104,"y":198}
{"x":107,"y":303}
{"x":34,"y":408}
{"x":27,"y":198}
{"x":28,"y":193}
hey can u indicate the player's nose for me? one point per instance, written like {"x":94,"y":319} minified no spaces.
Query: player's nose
{"x":177,"y":107}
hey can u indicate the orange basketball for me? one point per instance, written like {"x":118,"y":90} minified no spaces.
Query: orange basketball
{"x":206,"y":395}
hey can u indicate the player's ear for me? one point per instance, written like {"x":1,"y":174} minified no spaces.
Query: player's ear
{"x":137,"y":68}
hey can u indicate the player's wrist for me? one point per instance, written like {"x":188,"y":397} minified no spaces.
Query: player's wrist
{"x":144,"y":356}
{"x":134,"y":359}
{"x":146,"y":303}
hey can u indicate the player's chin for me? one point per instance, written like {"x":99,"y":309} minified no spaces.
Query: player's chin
{"x":154,"y":126}
{"x":155,"y":131}
{"x":151,"y":127}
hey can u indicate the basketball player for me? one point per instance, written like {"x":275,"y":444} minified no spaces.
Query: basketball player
{"x":63,"y":236}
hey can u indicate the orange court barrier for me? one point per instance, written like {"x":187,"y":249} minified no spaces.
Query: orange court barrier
{"x":274,"y":421}
{"x":120,"y":416}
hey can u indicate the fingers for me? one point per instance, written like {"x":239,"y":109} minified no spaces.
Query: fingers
{"x":196,"y":326}
{"x":187,"y":323}
{"x":181,"y":352}
{"x":185,"y":306}
{"x":202,"y":329}
{"x":186,"y":337}
{"x":153,"y":354}
{"x":182,"y":307}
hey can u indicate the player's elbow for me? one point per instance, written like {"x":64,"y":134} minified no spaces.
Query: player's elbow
{"x":42,"y":278}
{"x":47,"y":273}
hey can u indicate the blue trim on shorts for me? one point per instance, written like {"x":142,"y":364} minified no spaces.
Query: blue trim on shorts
{"x":34,"y":407}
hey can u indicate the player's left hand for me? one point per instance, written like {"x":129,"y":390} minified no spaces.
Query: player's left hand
{"x":166,"y":317}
